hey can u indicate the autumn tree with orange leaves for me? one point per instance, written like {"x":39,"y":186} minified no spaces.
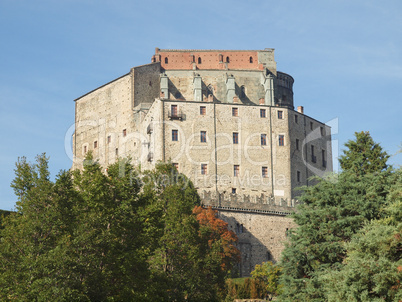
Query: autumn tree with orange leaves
{"x":221,"y":241}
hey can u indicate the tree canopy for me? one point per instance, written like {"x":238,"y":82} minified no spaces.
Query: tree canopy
{"x":332,"y":230}
{"x":115,"y":236}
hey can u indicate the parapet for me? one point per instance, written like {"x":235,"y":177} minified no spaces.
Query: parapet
{"x":248,"y":203}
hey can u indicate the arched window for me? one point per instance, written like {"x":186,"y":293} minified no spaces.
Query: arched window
{"x":193,"y":58}
{"x":199,"y":60}
{"x":227,"y":60}
{"x":251,"y":59}
{"x":220,"y":58}
{"x":166,"y":60}
{"x":242,"y":92}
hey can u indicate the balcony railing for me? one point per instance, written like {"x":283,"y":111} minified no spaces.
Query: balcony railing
{"x":150,"y":128}
{"x":175,"y":115}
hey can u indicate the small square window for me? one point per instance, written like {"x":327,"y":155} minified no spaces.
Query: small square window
{"x":204,"y":168}
{"x":236,"y":169}
{"x":233,"y":190}
{"x":203,"y":136}
{"x":281,"y":140}
{"x":235,"y":137}
{"x":263,"y":139}
{"x":203,"y":110}
{"x":95,"y":144}
{"x":235,"y":112}
{"x":263,"y":113}
{"x":264,"y":172}
{"x":124,"y":132}
{"x":296,"y":119}
{"x":297,"y":144}
{"x":280,"y":114}
{"x":175,"y":135}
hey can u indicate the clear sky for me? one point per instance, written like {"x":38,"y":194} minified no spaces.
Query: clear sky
{"x":344,"y":55}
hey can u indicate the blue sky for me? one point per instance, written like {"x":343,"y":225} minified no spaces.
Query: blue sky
{"x":345,"y":57}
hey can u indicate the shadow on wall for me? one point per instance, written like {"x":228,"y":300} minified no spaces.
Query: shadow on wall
{"x":252,"y":250}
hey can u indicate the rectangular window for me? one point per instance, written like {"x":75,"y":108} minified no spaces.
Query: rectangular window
{"x":175,"y":135}
{"x":280,"y":114}
{"x":324,"y":157}
{"x":281,"y":140}
{"x":85,"y":149}
{"x":311,"y":125}
{"x":235,"y":137}
{"x":124,"y":132}
{"x":173,"y":109}
{"x":298,"y":176}
{"x":263,"y":139}
{"x":313,"y":157}
{"x":95,"y":144}
{"x":109,"y":139}
{"x":204,"y":168}
{"x":263,"y":113}
{"x":235,"y":112}
{"x":203,"y":136}
{"x":176,"y":166}
{"x":296,"y":119}
{"x":233,"y":190}
{"x":236,"y":169}
{"x":203,"y":110}
{"x":297,"y":144}
{"x":264,"y":172}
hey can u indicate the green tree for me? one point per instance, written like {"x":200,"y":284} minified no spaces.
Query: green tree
{"x":187,"y":263}
{"x":372,"y":269}
{"x":79,"y":238}
{"x":363,"y":155}
{"x":114,"y":236}
{"x":268,"y":275}
{"x":331,"y":213}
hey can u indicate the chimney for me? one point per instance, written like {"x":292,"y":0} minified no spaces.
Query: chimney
{"x":300,"y":109}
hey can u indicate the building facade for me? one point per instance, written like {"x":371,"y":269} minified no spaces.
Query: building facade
{"x":224,"y":118}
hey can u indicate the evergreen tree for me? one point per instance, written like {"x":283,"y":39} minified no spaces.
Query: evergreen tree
{"x":331,"y":213}
{"x":363,"y":155}
{"x":372,"y":269}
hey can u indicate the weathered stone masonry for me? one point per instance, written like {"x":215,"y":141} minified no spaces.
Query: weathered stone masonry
{"x":226,"y":119}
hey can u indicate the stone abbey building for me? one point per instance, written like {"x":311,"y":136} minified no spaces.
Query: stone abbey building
{"x":224,"y":118}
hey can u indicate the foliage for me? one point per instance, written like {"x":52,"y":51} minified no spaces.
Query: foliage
{"x":363,"y":155}
{"x":268,"y":274}
{"x":372,"y":270}
{"x":194,"y":250}
{"x":120,"y":236}
{"x":332,"y":212}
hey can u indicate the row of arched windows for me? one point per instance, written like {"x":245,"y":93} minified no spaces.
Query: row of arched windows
{"x":199,"y":60}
